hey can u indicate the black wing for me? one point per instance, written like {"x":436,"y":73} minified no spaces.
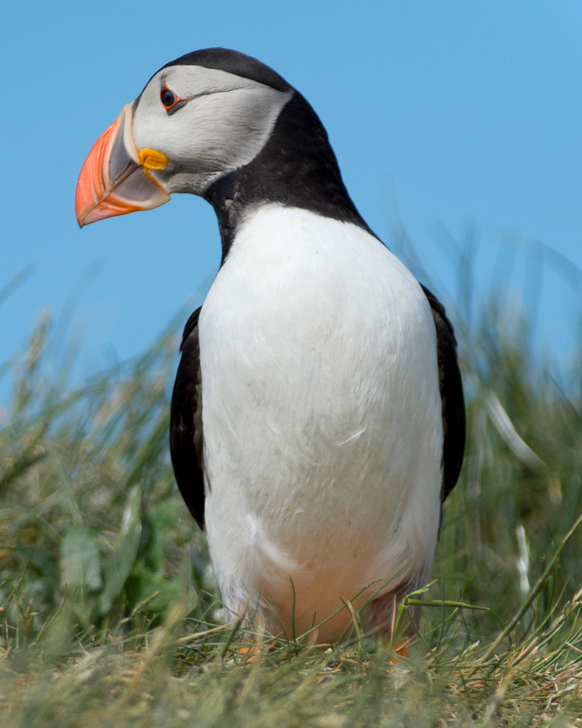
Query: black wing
{"x":186,"y":440}
{"x":451,"y":395}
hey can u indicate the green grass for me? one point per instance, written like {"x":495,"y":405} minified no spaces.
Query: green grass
{"x":109,"y":613}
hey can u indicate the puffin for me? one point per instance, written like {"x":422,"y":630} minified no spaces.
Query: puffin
{"x":317,"y":417}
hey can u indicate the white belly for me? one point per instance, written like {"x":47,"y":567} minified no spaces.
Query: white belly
{"x":322,"y":417}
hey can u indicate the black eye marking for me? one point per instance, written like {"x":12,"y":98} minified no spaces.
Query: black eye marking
{"x":168,"y":98}
{"x":170,"y":101}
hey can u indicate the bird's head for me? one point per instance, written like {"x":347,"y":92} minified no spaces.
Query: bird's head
{"x":198,"y":118}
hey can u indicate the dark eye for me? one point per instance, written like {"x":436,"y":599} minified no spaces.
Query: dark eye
{"x":168,"y":98}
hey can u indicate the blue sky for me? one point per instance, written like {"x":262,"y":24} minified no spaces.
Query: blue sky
{"x":459,"y":111}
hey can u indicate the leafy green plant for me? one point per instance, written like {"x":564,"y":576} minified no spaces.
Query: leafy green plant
{"x":89,"y":510}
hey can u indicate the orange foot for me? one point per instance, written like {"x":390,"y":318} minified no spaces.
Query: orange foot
{"x":400,"y":649}
{"x":251,"y":652}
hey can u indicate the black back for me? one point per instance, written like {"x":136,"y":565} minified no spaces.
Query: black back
{"x":186,"y":437}
{"x":451,"y":386}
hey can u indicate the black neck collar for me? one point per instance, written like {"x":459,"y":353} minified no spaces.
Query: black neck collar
{"x":296,"y":168}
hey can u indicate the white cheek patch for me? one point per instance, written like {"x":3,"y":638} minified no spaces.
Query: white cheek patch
{"x":224,"y":125}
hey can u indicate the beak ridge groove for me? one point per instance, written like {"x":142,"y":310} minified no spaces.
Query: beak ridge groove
{"x":112,"y":180}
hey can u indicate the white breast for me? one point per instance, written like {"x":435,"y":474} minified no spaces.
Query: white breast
{"x":322,"y":416}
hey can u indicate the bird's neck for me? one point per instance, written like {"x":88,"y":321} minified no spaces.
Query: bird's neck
{"x":295,"y":168}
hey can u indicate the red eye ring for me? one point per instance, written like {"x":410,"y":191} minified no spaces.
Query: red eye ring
{"x":171,"y":101}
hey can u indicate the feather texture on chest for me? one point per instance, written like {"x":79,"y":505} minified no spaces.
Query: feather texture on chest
{"x":318,"y":357}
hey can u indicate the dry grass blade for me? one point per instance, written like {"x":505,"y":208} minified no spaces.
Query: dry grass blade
{"x":108,"y":607}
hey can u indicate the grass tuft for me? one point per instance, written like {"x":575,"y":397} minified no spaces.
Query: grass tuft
{"x":109,"y":612}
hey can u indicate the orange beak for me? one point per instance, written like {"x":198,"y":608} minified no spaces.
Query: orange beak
{"x":115,"y":178}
